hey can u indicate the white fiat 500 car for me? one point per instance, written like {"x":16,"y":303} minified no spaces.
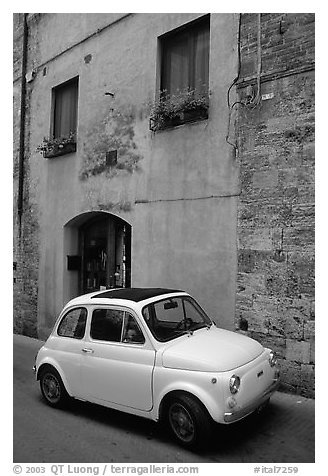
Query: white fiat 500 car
{"x":155,"y":353}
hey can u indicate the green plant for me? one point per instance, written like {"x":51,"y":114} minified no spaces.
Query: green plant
{"x":50,"y":144}
{"x":173,"y":107}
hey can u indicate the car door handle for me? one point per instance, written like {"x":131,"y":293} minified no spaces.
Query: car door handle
{"x":87,"y":351}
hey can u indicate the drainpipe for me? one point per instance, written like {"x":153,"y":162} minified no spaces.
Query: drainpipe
{"x":22,"y":128}
{"x":259,"y":61}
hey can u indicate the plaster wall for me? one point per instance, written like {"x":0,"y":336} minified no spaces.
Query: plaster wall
{"x":177,"y":188}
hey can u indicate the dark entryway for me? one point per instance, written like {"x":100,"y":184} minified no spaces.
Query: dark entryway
{"x":105,"y":247}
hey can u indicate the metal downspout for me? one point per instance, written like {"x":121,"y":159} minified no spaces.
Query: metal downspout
{"x":22,"y":127}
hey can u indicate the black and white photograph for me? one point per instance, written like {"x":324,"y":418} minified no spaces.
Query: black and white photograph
{"x":164,"y":241}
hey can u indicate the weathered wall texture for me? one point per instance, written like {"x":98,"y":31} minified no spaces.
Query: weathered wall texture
{"x":26,"y":246}
{"x":275,"y":283}
{"x":177,"y":188}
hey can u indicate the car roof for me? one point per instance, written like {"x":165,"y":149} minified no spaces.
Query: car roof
{"x":117,"y":295}
{"x":133,"y":294}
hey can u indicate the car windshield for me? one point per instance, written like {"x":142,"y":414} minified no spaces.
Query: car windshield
{"x":173,"y":317}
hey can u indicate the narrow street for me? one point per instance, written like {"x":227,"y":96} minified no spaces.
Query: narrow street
{"x":86,"y":433}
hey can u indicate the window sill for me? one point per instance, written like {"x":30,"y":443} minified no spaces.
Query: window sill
{"x":58,"y":150}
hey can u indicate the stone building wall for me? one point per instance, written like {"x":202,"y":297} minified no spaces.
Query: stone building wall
{"x":25,"y":233}
{"x":275,"y":282}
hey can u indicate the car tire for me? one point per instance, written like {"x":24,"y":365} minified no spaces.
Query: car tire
{"x":52,"y":388}
{"x":188,"y":421}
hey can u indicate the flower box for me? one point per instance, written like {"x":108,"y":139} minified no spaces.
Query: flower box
{"x":59,"y":149}
{"x":195,"y":115}
{"x":54,"y":147}
{"x":182,"y":118}
{"x":181,"y":108}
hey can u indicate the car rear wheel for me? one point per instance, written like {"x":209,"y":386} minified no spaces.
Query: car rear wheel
{"x":188,"y":421}
{"x":52,"y":388}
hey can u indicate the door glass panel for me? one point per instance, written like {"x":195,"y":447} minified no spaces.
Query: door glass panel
{"x":132,"y":332}
{"x":106,"y":324}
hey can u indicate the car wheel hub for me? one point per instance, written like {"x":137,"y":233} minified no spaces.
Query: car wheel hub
{"x":181,"y":422}
{"x":51,"y":388}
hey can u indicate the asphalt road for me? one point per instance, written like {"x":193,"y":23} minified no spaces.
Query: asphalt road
{"x":87,"y":433}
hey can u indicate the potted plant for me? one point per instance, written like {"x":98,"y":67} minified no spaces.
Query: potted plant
{"x":184,"y":106}
{"x":54,"y":147}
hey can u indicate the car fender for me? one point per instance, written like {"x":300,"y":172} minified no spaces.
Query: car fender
{"x":50,"y":361}
{"x":202,"y":387}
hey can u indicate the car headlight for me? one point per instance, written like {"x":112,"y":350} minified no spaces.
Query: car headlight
{"x":234,"y":384}
{"x":272,"y":358}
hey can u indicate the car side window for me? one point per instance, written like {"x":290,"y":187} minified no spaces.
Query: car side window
{"x":132,"y":332}
{"x":106,"y":324}
{"x":73,"y":323}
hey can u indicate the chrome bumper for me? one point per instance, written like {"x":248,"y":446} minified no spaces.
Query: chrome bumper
{"x":230,"y":417}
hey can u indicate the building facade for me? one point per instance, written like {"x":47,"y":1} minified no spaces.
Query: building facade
{"x":146,"y":153}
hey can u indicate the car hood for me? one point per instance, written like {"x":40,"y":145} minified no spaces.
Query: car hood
{"x":211,"y":350}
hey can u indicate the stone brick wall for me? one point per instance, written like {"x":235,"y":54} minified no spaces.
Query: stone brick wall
{"x":25,"y":254}
{"x":275,"y":282}
{"x":287,"y":41}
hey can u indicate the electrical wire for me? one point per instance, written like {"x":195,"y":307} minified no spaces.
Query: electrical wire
{"x":233,"y":83}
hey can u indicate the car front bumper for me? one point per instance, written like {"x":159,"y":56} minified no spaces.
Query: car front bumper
{"x":238,"y":414}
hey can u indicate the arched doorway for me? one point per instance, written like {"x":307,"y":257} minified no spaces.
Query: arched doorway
{"x":97,"y":253}
{"x":105,"y":250}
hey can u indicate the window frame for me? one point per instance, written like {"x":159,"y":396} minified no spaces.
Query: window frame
{"x":101,"y":308}
{"x":68,"y":145}
{"x":190,"y":103}
{"x":55,"y":90}
{"x":126,"y":313}
{"x":170,"y":37}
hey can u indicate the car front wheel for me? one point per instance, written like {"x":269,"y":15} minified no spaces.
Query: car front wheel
{"x":188,"y":421}
{"x":52,"y":388}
